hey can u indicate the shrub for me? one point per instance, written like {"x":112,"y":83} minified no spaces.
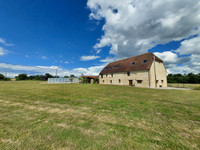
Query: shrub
{"x":197,"y":88}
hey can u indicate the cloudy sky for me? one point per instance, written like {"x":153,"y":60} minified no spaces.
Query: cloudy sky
{"x":82,"y":36}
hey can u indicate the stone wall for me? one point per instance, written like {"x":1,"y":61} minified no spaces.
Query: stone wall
{"x":138,"y":78}
{"x":160,"y":80}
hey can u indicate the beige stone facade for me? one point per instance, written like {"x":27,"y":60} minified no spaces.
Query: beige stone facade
{"x":141,"y":78}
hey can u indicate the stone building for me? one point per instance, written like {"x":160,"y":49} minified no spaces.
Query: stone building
{"x":145,"y":70}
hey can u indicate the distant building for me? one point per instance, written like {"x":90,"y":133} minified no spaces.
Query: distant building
{"x":90,"y":79}
{"x":145,"y":70}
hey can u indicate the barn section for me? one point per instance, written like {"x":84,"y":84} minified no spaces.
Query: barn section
{"x":90,"y":79}
{"x":145,"y":70}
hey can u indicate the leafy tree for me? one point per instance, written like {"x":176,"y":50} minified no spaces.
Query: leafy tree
{"x":47,"y":75}
{"x":94,"y":81}
{"x":85,"y":80}
{"x":66,"y":76}
{"x":80,"y":79}
{"x":97,"y":80}
{"x":186,"y":78}
{"x":21,"y":77}
{"x":2,"y":77}
{"x":73,"y":76}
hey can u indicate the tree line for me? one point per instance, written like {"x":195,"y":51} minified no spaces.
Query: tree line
{"x":39,"y":77}
{"x":185,"y":78}
{"x":171,"y":78}
{"x":3,"y":78}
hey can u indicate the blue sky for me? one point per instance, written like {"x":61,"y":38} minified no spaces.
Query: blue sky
{"x":83,"y":36}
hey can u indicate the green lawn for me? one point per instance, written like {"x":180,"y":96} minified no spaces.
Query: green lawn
{"x":80,"y":116}
{"x":184,"y":85}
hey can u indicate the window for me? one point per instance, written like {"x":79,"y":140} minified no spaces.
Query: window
{"x":101,"y":75}
{"x":116,"y":66}
{"x":110,"y":81}
{"x":144,"y":61}
{"x":103,"y":81}
{"x":133,"y":63}
{"x":162,"y":81}
{"x":111,"y":75}
{"x":110,"y":67}
{"x":139,"y":81}
{"x":119,"y":80}
{"x":105,"y":68}
{"x":106,"y":75}
{"x":128,"y":73}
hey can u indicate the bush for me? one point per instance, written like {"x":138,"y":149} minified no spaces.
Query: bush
{"x":85,"y":80}
{"x":197,"y":88}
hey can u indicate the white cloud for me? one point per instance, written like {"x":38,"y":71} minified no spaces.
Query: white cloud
{"x":66,"y":62}
{"x":168,"y":57}
{"x":183,"y":64}
{"x":133,"y":26}
{"x":44,"y":57}
{"x":3,"y":51}
{"x":98,"y":51}
{"x":94,"y":70}
{"x":2,"y":41}
{"x":13,"y":70}
{"x":195,"y":60}
{"x":27,"y":56}
{"x":184,"y":69}
{"x":190,"y":46}
{"x":87,"y":58}
{"x":109,"y":59}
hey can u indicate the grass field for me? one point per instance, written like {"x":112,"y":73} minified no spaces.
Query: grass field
{"x":184,"y":85}
{"x":83,"y":116}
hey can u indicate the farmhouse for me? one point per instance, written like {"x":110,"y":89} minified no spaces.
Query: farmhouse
{"x":145,"y":70}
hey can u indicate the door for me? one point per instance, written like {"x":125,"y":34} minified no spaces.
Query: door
{"x":130,"y":82}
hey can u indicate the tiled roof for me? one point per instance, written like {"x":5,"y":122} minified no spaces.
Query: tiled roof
{"x":92,"y":77}
{"x":131,"y":64}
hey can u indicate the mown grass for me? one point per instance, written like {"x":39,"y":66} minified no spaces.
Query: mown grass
{"x":185,"y":85}
{"x":83,"y":116}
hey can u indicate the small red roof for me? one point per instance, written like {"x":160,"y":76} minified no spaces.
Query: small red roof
{"x":92,"y":77}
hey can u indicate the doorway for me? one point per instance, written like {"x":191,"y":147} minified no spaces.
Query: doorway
{"x":130,"y":82}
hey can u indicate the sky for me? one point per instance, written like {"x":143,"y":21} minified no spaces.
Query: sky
{"x":82,"y":36}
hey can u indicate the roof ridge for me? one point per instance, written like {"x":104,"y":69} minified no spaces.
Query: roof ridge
{"x":142,"y":62}
{"x":132,"y":57}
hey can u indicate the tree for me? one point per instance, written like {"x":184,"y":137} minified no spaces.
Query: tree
{"x":97,"y":80}
{"x":47,"y":75}
{"x":71,"y":78}
{"x":66,"y":76}
{"x":186,"y":78}
{"x":85,"y":80}
{"x":2,"y":77}
{"x":21,"y":77}
{"x":192,"y":78}
{"x":80,"y":79}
